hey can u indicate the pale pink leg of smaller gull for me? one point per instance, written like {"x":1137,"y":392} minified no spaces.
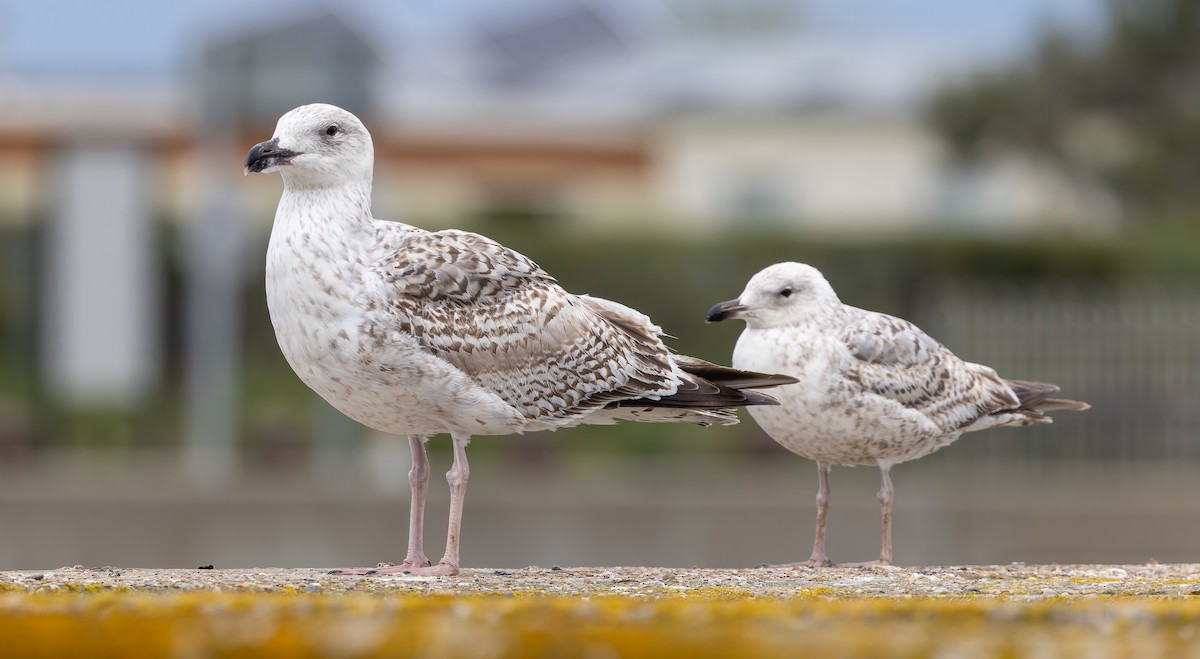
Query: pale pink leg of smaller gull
{"x":818,"y":558}
{"x":886,"y":494}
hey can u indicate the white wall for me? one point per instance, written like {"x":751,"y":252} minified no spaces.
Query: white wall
{"x":845,"y":173}
{"x":100,"y":308}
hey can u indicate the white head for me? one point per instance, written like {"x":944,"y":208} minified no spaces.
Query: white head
{"x":316,"y":145}
{"x":778,"y":296}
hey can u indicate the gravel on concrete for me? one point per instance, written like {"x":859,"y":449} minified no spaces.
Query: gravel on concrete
{"x":1016,"y":581}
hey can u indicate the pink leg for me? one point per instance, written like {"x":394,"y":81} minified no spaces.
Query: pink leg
{"x":418,"y":479}
{"x":457,"y":477}
{"x":818,"y":558}
{"x":886,"y":494}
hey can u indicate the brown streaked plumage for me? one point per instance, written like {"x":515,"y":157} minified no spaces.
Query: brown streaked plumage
{"x":873,"y":389}
{"x":417,"y":333}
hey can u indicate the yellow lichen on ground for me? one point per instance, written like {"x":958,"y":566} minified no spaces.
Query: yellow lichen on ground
{"x":130,"y":625}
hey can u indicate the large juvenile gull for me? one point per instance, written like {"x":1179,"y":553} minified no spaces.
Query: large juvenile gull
{"x":417,"y":333}
{"x":873,"y":389}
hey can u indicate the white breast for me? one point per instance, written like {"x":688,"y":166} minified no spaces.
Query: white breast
{"x":329,"y":311}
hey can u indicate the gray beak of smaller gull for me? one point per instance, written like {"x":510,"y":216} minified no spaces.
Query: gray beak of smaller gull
{"x":267,"y":154}
{"x":724,"y":310}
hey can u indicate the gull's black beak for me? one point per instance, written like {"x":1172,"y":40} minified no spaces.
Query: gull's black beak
{"x":723,"y":310}
{"x":265,"y":155}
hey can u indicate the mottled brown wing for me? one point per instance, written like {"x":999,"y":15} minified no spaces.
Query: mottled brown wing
{"x":898,"y":361}
{"x":497,"y":316}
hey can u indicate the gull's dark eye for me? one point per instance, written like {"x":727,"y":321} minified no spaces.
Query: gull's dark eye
{"x":332,"y":130}
{"x":787,"y":292}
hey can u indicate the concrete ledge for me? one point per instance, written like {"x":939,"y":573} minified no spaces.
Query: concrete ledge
{"x":1009,"y":582}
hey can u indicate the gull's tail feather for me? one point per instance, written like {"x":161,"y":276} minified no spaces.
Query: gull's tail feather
{"x":731,"y":377}
{"x":711,"y":391}
{"x":1034,"y":406}
{"x":1062,"y":405}
{"x":711,"y":387}
{"x":1035,"y":397}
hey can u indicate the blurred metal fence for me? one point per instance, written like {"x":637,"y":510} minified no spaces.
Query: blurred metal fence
{"x":1132,"y":351}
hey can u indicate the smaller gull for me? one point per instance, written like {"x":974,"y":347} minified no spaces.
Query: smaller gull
{"x":417,"y":333}
{"x":873,"y":389}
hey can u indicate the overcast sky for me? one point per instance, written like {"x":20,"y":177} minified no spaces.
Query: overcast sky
{"x":152,"y":38}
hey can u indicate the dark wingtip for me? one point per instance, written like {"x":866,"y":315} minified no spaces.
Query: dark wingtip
{"x":758,"y":398}
{"x":1035,"y":396}
{"x":732,"y":377}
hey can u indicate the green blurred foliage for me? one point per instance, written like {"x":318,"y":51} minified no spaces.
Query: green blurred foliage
{"x":1119,"y":108}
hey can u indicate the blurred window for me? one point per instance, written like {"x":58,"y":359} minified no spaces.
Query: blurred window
{"x":962,"y":197}
{"x":758,"y":196}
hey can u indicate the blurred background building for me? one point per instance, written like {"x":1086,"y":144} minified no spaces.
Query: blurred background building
{"x":1019,"y":179}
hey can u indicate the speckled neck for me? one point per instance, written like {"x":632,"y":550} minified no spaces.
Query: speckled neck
{"x":337,"y":214}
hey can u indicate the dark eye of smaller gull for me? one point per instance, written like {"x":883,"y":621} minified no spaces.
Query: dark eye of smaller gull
{"x":787,"y":292}
{"x":332,"y":130}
